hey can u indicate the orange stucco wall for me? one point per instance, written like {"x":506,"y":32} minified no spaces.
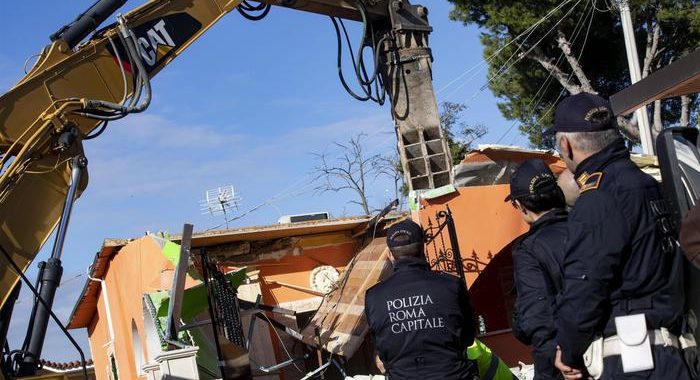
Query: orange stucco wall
{"x":135,"y":270}
{"x":296,"y":269}
{"x":484,"y":222}
{"x":98,"y":338}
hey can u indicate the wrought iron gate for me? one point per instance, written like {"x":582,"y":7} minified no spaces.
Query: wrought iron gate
{"x":442,"y":247}
{"x":224,"y":311}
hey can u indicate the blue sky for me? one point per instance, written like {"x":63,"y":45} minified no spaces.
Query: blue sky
{"x":246,"y":105}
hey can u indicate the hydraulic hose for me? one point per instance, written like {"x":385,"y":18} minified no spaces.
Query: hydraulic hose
{"x":142,"y":81}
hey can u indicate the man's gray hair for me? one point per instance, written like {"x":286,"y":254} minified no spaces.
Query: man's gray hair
{"x":590,"y":141}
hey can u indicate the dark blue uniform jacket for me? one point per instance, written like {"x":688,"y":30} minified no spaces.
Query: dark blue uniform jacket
{"x":421,"y":322}
{"x":537,"y":259}
{"x":620,"y":257}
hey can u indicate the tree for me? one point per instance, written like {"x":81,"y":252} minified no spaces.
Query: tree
{"x":349,"y":171}
{"x":353,"y":169}
{"x":389,"y":166}
{"x":461,"y":141}
{"x":534,"y":60}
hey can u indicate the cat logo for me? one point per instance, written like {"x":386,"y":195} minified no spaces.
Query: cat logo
{"x":158,"y":39}
{"x":156,"y":43}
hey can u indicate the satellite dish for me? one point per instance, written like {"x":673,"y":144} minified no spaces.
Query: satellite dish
{"x":220,"y":201}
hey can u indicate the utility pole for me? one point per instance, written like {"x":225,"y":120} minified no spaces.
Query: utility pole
{"x":645,"y":135}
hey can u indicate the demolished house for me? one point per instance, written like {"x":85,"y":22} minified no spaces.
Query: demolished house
{"x":287,"y":300}
{"x":285,"y":269}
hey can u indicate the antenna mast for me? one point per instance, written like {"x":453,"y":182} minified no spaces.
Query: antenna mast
{"x":220,"y":201}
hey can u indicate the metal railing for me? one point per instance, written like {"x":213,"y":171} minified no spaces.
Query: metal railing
{"x":442,"y":247}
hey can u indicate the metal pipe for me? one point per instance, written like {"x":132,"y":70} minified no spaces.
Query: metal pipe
{"x":79,"y":164}
{"x":50,"y":280}
{"x":277,"y":366}
{"x":177,"y":290}
{"x":103,"y":290}
{"x":316,"y":371}
{"x":645,"y":135}
{"x":50,"y":277}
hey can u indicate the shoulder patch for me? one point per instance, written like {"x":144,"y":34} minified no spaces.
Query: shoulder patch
{"x":587,"y":182}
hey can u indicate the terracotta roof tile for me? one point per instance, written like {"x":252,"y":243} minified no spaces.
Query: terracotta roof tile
{"x":48,"y":364}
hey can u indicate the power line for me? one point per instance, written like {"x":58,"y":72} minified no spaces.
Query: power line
{"x":583,"y":47}
{"x":65,"y":281}
{"x":527,"y":31}
{"x":292,"y":191}
{"x":545,"y":85}
{"x":503,"y":69}
{"x":483,"y":63}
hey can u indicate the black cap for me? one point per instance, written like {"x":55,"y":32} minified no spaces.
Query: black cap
{"x":529,"y":178}
{"x":404,"y":233}
{"x":583,"y":112}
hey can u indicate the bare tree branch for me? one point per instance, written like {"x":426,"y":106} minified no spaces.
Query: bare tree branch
{"x":349,"y":171}
{"x":629,"y":128}
{"x":565,"y":47}
{"x":469,"y":134}
{"x":650,"y":58}
{"x":390,"y":166}
{"x":547,"y":63}
{"x":652,"y":51}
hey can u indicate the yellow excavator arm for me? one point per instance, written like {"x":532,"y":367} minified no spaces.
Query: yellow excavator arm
{"x":66,"y":95}
{"x":88,"y":77}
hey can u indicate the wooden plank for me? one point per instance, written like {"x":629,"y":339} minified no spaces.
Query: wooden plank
{"x":340,"y":320}
{"x":297,"y":287}
{"x":679,"y":78}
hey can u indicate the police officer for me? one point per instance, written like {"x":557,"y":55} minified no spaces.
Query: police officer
{"x":622,"y":279}
{"x":421,"y":320}
{"x":537,"y":259}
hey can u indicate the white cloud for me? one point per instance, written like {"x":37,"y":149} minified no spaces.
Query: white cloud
{"x":152,"y":155}
{"x":157,"y":131}
{"x":314,"y":138}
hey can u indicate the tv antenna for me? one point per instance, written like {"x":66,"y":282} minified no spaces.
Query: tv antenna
{"x":220,"y":201}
